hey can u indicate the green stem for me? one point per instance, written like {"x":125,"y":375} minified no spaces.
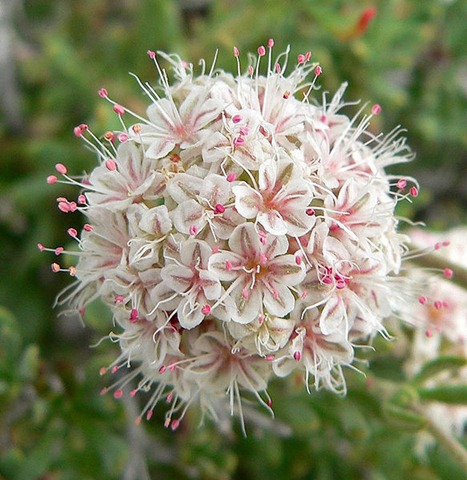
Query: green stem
{"x":448,"y":442}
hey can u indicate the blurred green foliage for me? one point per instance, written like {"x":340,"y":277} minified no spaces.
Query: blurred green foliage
{"x":53,"y":422}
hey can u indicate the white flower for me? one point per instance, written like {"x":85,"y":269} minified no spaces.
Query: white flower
{"x":261,"y":273}
{"x":240,"y":231}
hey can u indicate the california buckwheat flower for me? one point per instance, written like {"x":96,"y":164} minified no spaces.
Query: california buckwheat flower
{"x":242,"y":229}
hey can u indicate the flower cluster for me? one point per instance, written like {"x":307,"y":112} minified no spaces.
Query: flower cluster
{"x":446,"y":334}
{"x":241,"y":230}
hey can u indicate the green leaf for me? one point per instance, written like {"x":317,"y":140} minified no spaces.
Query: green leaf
{"x":10,"y":338}
{"x":452,"y":394}
{"x":403,"y":417}
{"x":39,"y":459}
{"x":437,"y":365}
{"x":29,"y":363}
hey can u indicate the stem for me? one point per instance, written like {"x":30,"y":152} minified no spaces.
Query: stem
{"x":448,"y":442}
{"x":432,"y":260}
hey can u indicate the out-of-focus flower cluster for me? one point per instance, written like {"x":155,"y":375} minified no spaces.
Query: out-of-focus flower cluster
{"x":243,"y":229}
{"x":446,"y":322}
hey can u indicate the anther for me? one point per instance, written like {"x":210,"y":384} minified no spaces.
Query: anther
{"x":301,"y":58}
{"x":55,"y":267}
{"x":376,"y":109}
{"x":193,"y":230}
{"x":438,"y":304}
{"x":103,"y":93}
{"x":318,"y":71}
{"x":61,"y":168}
{"x":88,"y":228}
{"x":51,"y":179}
{"x":236,"y":118}
{"x":110,"y":136}
{"x":111,"y":164}
{"x":134,"y":315}
{"x":80,"y":129}
{"x":118,"y":393}
{"x":72,"y":232}
{"x":414,"y":192}
{"x":236,"y":52}
{"x":448,"y":273}
{"x":422,"y":299}
{"x":175,"y":424}
{"x":402,"y":183}
{"x":102,"y":371}
{"x":297,"y":356}
{"x":261,"y":51}
{"x":219,"y":208}
{"x":206,"y":310}
{"x":231,"y":177}
{"x":270,"y":42}
{"x":59,"y":251}
{"x":152,"y":55}
{"x":310,"y":211}
{"x":149,"y":415}
{"x":122,"y":137}
{"x":118,"y":109}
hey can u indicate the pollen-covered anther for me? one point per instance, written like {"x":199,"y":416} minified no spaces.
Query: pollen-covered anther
{"x":110,"y":136}
{"x":55,"y":267}
{"x":72,"y":271}
{"x":137,"y":129}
